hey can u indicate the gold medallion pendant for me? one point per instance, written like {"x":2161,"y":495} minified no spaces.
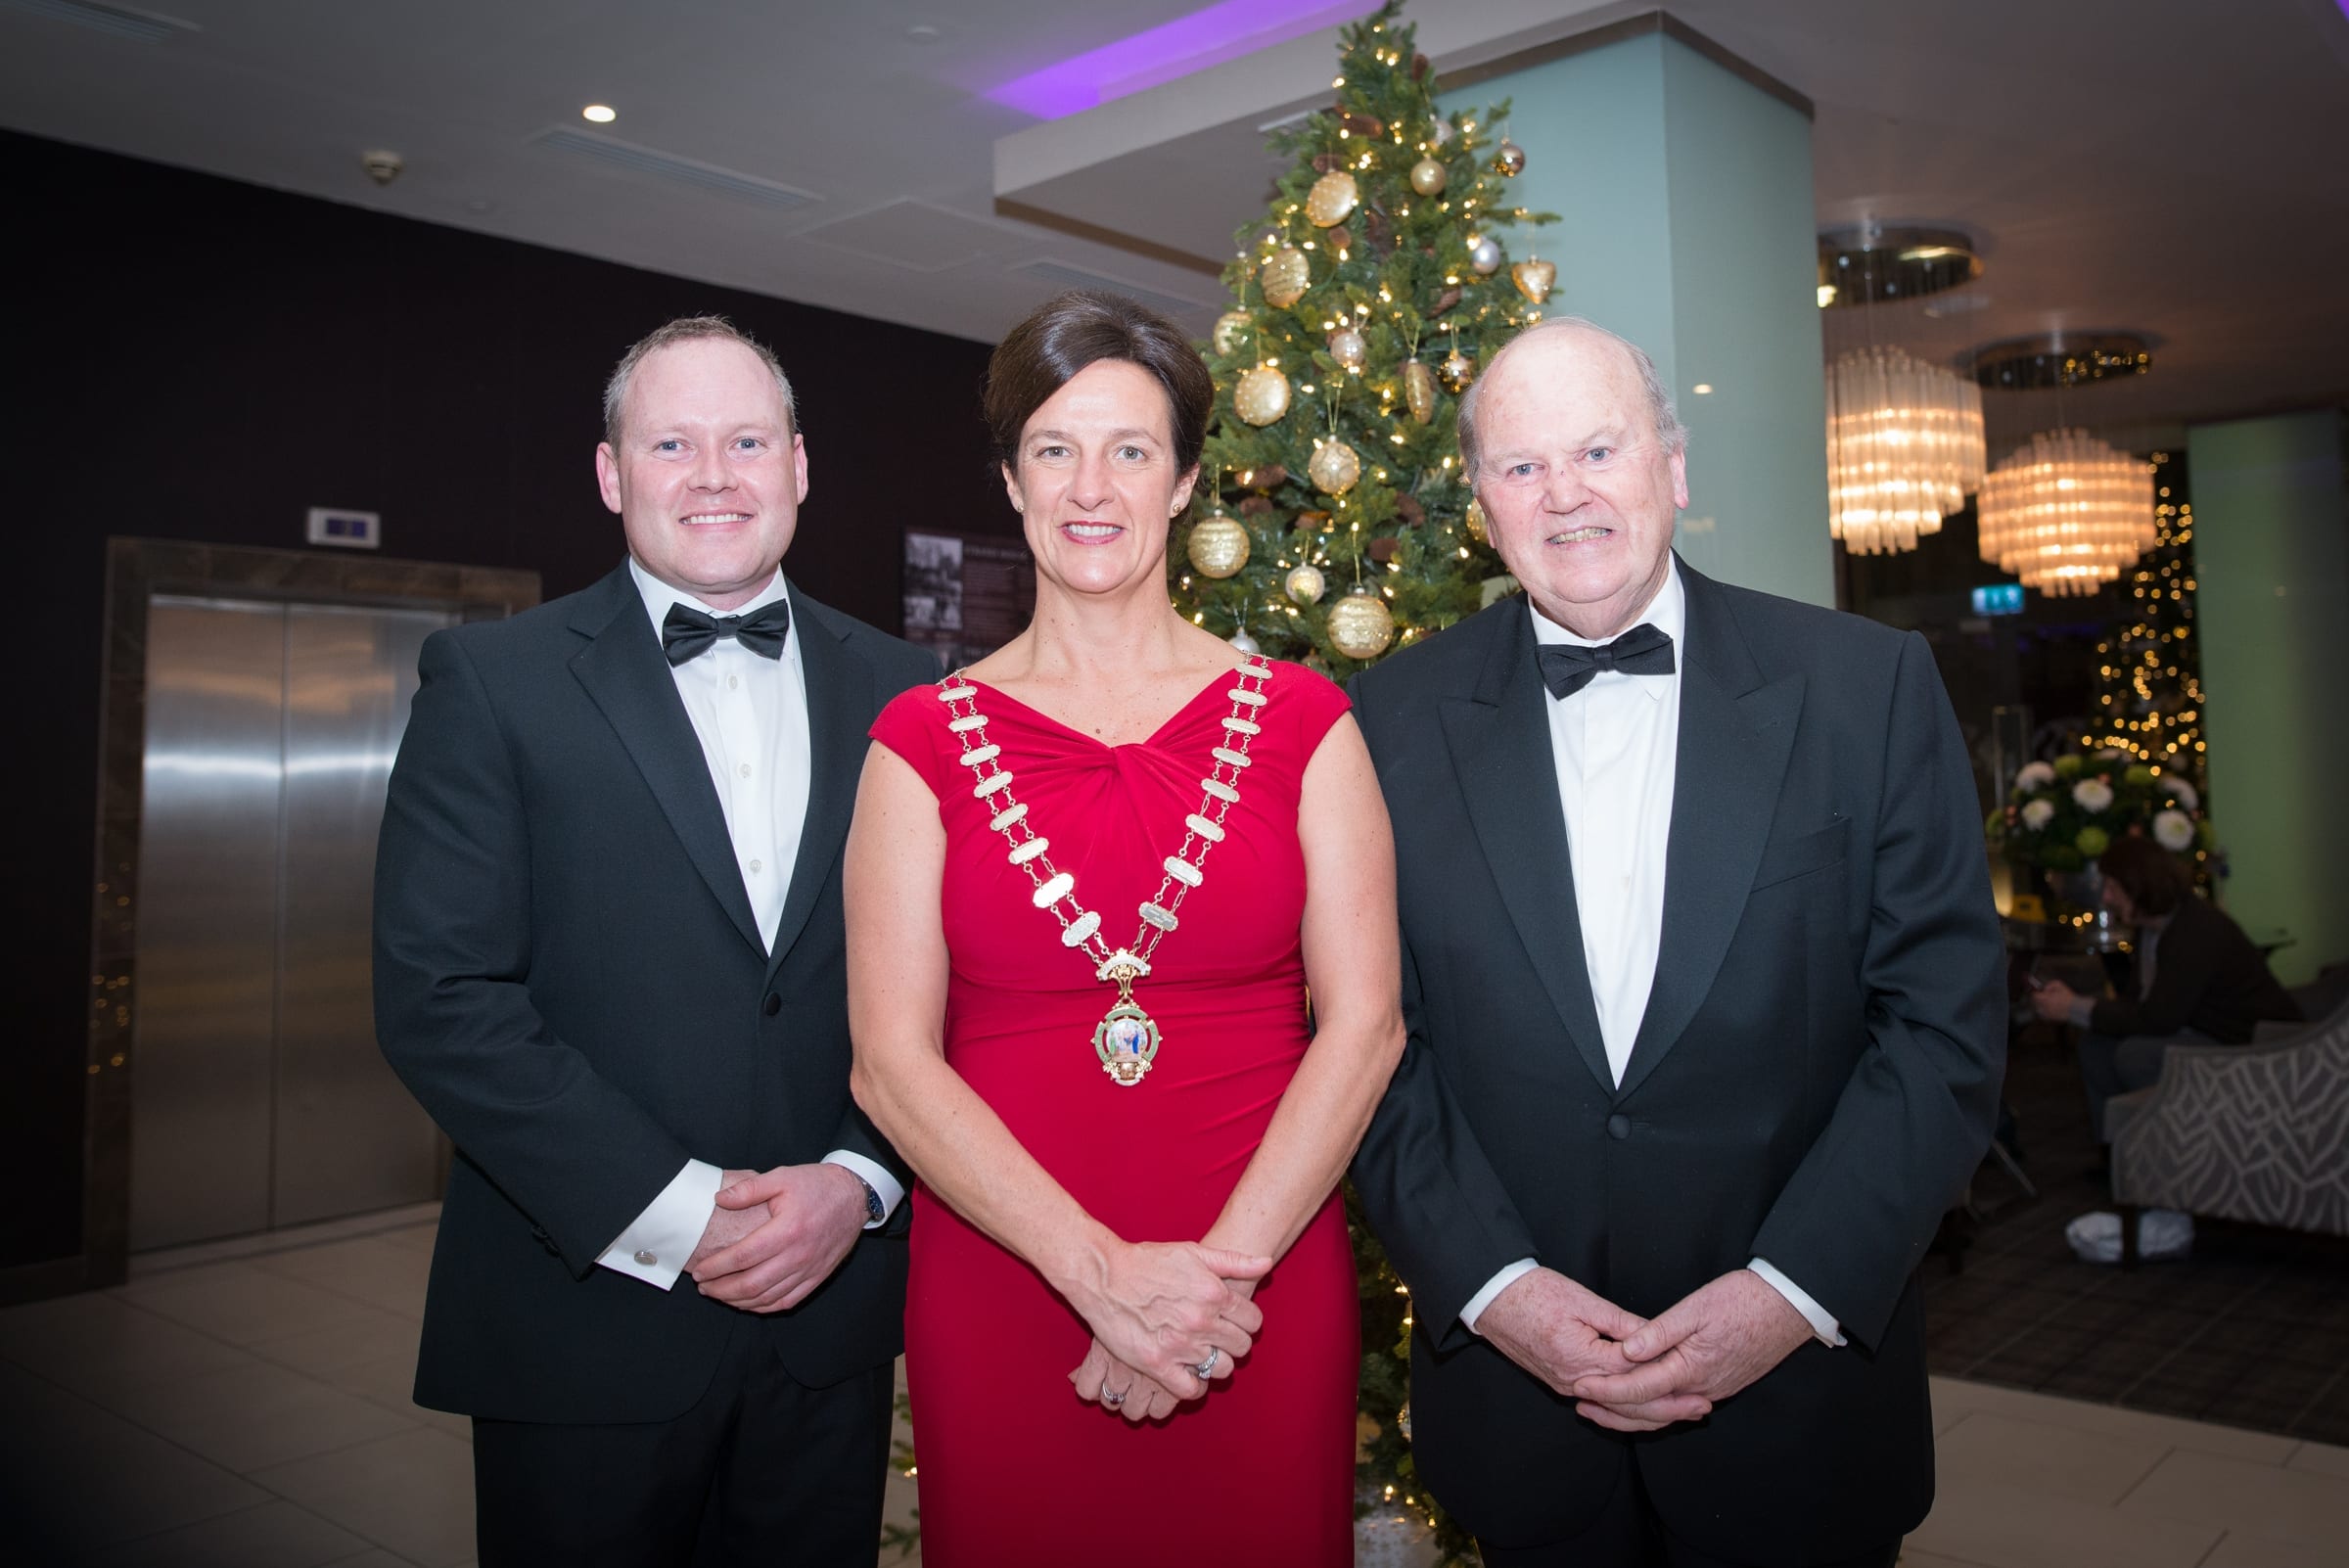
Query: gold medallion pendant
{"x":1126,"y":1039}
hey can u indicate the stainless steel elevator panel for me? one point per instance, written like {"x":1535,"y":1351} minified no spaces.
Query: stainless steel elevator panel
{"x":208,"y":921}
{"x":350,"y":1136}
{"x":259,"y":1098}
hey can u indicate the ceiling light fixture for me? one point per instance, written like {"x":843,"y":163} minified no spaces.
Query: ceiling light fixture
{"x":599,"y":113}
{"x":1878,"y":265}
{"x":1904,"y":445}
{"x":2067,"y":513}
{"x":2054,"y":359}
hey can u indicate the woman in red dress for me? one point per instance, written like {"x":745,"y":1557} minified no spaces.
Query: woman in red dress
{"x":1090,"y":882}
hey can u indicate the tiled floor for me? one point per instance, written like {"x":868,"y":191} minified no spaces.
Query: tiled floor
{"x":252,"y":1411}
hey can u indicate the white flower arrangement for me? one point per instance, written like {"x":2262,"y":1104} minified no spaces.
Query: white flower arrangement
{"x":2064,"y":811}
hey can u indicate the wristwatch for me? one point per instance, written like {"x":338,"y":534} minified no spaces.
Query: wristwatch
{"x":875,"y":1210}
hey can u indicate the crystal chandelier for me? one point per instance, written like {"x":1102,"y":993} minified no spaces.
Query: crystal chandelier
{"x":1904,"y":447}
{"x":2066,"y":513}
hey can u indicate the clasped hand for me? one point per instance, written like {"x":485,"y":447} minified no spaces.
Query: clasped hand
{"x":1714,"y":1342}
{"x":776,"y":1236}
{"x":1157,"y":1311}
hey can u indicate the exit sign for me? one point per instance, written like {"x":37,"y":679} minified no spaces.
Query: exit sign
{"x":353,"y":531}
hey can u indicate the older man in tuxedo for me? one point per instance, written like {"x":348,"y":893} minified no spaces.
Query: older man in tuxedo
{"x":1702,"y":981}
{"x":610,"y":963}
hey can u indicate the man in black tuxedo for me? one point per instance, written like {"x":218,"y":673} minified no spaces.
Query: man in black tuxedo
{"x":609,"y":960}
{"x":1702,"y":981}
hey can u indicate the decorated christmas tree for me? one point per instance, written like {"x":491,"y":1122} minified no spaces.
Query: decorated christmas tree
{"x":1337,"y":525}
{"x":2149,"y":679}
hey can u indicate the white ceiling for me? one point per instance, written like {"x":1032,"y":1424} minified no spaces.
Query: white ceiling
{"x":2175,"y":166}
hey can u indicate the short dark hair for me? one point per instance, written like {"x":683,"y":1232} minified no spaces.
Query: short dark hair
{"x":689,"y":328}
{"x":1083,"y":327}
{"x":2155,"y":880}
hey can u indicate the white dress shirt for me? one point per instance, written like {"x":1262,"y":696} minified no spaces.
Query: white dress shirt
{"x":750,"y":716}
{"x":1616,"y":744}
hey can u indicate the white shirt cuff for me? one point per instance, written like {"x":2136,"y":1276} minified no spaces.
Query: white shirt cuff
{"x":876,"y":1176}
{"x":1822,"y":1323}
{"x":654,"y":1248}
{"x":1494,"y":1287}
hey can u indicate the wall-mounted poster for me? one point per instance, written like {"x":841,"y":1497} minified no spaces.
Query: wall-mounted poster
{"x":966,"y":594}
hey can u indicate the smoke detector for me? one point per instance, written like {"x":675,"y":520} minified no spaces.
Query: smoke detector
{"x":382,"y":167}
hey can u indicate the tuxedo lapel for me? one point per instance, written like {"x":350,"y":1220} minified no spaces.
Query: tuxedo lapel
{"x":1500,"y":742}
{"x":624,"y":673}
{"x":1737,"y":732}
{"x":840,"y":705}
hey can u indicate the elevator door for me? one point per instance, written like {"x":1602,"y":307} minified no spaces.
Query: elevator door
{"x":259,"y":1098}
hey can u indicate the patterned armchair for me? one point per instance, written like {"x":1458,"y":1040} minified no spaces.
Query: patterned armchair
{"x":2257,"y":1133}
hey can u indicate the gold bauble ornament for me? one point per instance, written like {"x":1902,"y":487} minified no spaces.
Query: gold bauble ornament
{"x":1347,"y":348}
{"x":1419,"y":390}
{"x":1483,"y":254}
{"x":1332,"y":198}
{"x":1285,"y":276}
{"x":1533,"y":279}
{"x":1262,"y":396}
{"x":1304,"y":584}
{"x":1361,"y":625}
{"x":1218,"y":545}
{"x":1474,"y":522}
{"x":1232,"y":329}
{"x":1428,"y":177}
{"x":1336,"y":467}
{"x":1457,"y":371}
{"x":1510,"y":159}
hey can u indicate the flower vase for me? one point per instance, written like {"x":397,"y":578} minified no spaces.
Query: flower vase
{"x":2070,"y":895}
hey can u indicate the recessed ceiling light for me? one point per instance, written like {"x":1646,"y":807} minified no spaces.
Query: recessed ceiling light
{"x":1703,"y":388}
{"x":600,"y":113}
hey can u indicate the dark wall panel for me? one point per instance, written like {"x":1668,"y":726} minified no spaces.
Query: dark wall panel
{"x":192,"y":358}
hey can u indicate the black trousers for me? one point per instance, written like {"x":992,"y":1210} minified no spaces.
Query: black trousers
{"x":2109,"y":1066}
{"x":761,"y":1471}
{"x":1627,"y":1534}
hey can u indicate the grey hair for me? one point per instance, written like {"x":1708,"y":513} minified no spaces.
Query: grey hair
{"x":1665,"y":416}
{"x":689,"y":328}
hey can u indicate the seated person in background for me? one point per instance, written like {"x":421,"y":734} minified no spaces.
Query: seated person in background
{"x":2194,"y":979}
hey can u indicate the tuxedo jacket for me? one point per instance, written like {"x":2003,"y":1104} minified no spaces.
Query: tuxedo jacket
{"x":1813,"y":1083}
{"x":569,"y":975}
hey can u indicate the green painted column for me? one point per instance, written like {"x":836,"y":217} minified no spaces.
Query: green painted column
{"x":1684,"y":190}
{"x":2272,"y":568}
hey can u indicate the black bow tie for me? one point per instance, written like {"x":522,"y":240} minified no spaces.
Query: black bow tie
{"x":687,"y":633}
{"x":1567,"y":667}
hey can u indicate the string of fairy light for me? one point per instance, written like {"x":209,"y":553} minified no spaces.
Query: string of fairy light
{"x":2149,"y":675}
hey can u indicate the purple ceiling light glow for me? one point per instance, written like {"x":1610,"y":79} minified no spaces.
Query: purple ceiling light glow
{"x":1209,"y":37}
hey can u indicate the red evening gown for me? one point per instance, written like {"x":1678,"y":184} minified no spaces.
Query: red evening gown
{"x":1014,"y":1468}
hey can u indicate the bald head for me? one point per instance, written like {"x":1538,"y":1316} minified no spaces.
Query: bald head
{"x":1571,"y":345}
{"x":1578,"y":462}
